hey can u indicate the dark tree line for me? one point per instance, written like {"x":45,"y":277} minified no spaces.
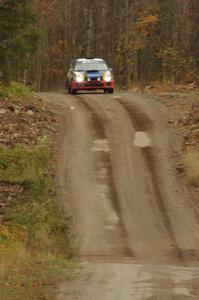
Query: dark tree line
{"x":18,"y":38}
{"x":143,"y":40}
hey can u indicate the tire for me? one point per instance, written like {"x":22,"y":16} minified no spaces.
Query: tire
{"x":69,"y":89}
{"x":111,"y":91}
{"x":105,"y":91}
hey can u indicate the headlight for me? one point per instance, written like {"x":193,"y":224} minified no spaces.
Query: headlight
{"x":107,"y":76}
{"x":79,"y":77}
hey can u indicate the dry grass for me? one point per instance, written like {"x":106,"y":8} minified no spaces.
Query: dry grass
{"x":192,"y":166}
{"x":34,"y":238}
{"x":34,"y":251}
{"x":20,"y":164}
{"x":34,"y":232}
{"x":27,"y":276}
{"x":15,"y":90}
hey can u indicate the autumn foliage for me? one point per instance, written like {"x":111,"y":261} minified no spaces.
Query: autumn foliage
{"x":144,"y":41}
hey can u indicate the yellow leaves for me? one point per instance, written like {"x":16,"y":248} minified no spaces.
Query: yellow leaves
{"x":165,"y":52}
{"x":141,"y":29}
{"x":5,"y":233}
{"x":11,"y":234}
{"x":137,"y":45}
{"x":172,"y":56}
{"x":147,"y":21}
{"x":192,"y":167}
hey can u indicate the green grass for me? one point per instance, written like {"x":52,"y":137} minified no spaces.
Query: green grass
{"x":34,"y":242}
{"x":19,"y":164}
{"x":24,"y":276}
{"x":15,"y":90}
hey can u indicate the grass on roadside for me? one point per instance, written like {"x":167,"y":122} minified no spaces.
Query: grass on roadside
{"x":15,"y":90}
{"x":34,"y":244}
{"x":192,"y":166}
{"x":20,"y":165}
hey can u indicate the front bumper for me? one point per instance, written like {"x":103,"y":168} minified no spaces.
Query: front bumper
{"x":93,"y":85}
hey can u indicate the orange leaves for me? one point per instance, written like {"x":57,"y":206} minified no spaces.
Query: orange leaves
{"x":45,"y":10}
{"x":137,"y":45}
{"x":146,"y":21}
{"x":141,"y":29}
{"x":164,"y":52}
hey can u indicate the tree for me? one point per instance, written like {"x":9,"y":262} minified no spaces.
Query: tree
{"x":144,"y":41}
{"x":18,"y":37}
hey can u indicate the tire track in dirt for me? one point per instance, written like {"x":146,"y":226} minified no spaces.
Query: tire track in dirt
{"x":105,"y":274}
{"x":131,"y":198}
{"x":103,"y":161}
{"x":141,"y":122}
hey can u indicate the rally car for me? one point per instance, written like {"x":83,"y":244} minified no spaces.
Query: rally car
{"x":88,"y":74}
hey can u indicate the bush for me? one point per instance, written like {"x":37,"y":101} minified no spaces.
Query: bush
{"x":192,"y":166}
{"x":15,"y":90}
{"x":20,"y":164}
{"x":34,"y":237}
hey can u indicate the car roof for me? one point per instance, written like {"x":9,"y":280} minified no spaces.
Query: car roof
{"x":89,"y":59}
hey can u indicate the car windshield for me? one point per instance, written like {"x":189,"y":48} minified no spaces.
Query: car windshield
{"x":91,"y":65}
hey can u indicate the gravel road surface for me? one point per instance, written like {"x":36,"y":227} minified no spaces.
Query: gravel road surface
{"x":136,"y":230}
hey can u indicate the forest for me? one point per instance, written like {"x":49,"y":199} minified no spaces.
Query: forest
{"x":143,"y":41}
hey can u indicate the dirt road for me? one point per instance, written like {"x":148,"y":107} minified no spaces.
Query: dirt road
{"x":136,"y":229}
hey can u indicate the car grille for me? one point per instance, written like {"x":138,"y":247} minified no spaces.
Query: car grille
{"x":93,"y":78}
{"x":93,"y":83}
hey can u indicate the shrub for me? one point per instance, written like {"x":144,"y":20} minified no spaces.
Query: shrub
{"x":34,"y":237}
{"x":15,"y":90}
{"x":20,"y":164}
{"x":192,"y":166}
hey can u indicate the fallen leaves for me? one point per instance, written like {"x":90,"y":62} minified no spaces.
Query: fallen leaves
{"x":22,"y":123}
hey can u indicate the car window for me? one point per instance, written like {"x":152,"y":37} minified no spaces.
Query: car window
{"x":91,"y":65}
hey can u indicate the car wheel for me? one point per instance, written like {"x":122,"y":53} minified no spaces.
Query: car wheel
{"x":69,"y":89}
{"x":105,"y":91}
{"x":111,"y":91}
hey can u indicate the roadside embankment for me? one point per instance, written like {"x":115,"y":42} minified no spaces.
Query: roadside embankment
{"x":34,"y":233}
{"x":182,"y":107}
